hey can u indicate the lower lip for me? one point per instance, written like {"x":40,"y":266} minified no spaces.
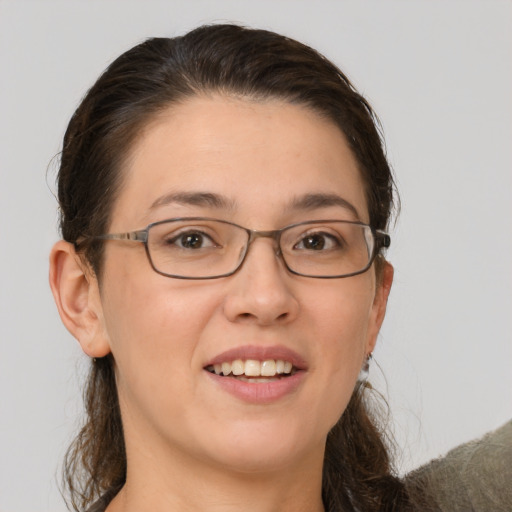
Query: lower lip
{"x":258,"y":392}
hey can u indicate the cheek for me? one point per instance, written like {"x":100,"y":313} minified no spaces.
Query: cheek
{"x":342,"y":316}
{"x":153,"y":324}
{"x":342,"y":332}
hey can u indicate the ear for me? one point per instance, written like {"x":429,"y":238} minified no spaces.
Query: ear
{"x":76,"y":293}
{"x":378,"y":311}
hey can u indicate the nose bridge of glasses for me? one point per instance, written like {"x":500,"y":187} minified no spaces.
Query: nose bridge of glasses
{"x":273,"y":234}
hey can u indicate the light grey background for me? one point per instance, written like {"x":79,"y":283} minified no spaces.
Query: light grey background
{"x":439,"y":75}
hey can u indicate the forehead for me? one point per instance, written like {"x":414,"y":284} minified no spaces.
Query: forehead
{"x":259,"y":156}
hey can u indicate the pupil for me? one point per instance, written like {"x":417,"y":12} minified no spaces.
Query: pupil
{"x":192,"y":241}
{"x":314,"y":242}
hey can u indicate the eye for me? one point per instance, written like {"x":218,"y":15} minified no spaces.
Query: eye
{"x":191,"y":240}
{"x":318,"y":241}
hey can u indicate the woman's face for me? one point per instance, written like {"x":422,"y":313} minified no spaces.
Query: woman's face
{"x":258,"y":162}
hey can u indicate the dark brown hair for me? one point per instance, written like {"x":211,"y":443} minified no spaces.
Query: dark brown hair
{"x":150,"y":77}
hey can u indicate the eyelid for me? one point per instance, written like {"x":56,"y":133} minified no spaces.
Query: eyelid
{"x":177,"y":227}
{"x":175,"y":239}
{"x":319,"y":228}
{"x":335,"y":240}
{"x":211,"y":238}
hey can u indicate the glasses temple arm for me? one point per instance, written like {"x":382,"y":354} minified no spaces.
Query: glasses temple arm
{"x":383,"y":239}
{"x":134,"y":236}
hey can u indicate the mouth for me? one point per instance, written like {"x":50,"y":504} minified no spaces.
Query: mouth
{"x":258,"y":374}
{"x":254,"y":370}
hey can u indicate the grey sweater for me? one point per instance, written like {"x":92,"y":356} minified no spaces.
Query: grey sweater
{"x":476,"y":476}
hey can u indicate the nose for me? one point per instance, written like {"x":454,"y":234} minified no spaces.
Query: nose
{"x":262,"y":291}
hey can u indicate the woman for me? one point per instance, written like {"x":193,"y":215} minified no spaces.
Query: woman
{"x":224,"y":199}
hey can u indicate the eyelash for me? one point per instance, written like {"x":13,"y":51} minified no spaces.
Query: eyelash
{"x":188,"y":232}
{"x":336,"y":240}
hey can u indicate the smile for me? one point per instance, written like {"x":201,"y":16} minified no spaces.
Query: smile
{"x":252,"y":370}
{"x":257,"y":374}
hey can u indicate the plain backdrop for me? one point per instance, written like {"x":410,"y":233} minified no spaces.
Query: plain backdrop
{"x":439,"y":75}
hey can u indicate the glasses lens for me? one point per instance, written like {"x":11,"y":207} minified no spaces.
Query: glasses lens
{"x":196,"y":248}
{"x":327,"y":249}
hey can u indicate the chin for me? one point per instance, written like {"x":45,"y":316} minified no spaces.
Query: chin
{"x":265,"y":446}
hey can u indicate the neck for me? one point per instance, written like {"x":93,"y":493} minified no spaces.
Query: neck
{"x":175,"y":482}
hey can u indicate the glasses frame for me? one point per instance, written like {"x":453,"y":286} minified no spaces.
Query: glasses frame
{"x":382,"y":240}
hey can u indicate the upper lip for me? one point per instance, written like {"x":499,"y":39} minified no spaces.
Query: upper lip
{"x":259,"y":353}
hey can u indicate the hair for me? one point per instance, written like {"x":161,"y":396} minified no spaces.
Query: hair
{"x":142,"y":82}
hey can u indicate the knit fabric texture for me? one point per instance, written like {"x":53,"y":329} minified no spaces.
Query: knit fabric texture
{"x":476,"y":476}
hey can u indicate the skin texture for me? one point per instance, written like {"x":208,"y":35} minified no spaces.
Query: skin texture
{"x":190,"y":444}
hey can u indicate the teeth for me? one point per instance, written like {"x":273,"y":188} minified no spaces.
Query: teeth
{"x":253,"y":368}
{"x":268,"y":368}
{"x":237,"y":367}
{"x":256,"y":380}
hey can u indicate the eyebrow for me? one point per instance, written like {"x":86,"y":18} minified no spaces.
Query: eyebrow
{"x":307,"y":202}
{"x":322,"y":200}
{"x":207,"y":199}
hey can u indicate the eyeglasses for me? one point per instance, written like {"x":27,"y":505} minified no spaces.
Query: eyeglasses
{"x":204,"y":248}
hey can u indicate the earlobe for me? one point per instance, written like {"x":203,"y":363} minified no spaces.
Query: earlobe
{"x":76,"y":293}
{"x":379,"y":305}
